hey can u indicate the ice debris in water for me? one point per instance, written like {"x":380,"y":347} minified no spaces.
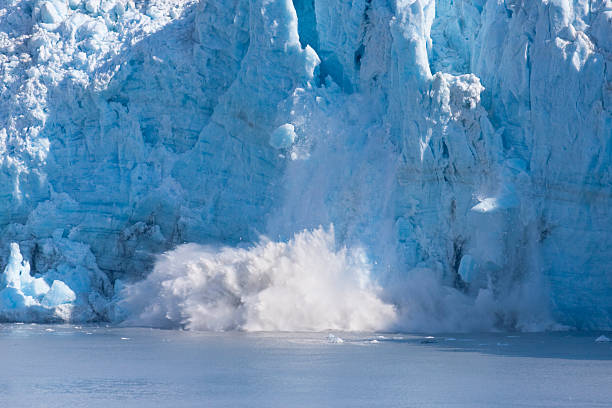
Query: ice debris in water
{"x":602,"y":339}
{"x":331,"y":338}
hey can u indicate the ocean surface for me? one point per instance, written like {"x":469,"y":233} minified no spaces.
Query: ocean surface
{"x":97,"y":366}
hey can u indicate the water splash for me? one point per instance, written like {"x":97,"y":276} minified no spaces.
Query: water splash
{"x":305,"y":284}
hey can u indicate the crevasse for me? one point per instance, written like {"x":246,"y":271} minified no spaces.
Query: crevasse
{"x":460,"y":149}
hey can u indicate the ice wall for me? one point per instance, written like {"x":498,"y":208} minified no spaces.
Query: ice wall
{"x":463,"y":145}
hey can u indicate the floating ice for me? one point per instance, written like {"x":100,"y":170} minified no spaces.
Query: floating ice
{"x":602,"y":339}
{"x":332,"y":338}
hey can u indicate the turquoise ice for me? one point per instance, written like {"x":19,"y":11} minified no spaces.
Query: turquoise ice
{"x":460,"y":149}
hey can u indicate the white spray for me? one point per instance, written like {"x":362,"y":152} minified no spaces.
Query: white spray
{"x":305,"y":284}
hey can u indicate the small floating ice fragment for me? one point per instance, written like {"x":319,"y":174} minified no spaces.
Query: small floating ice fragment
{"x":334,"y":339}
{"x":125,"y":338}
{"x":602,"y":339}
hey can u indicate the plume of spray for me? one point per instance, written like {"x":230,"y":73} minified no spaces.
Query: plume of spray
{"x":305,"y":284}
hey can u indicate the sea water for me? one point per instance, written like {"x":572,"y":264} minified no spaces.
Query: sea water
{"x":98,"y":366}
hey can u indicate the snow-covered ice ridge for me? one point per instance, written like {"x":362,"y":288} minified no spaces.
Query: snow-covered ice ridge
{"x":460,"y":148}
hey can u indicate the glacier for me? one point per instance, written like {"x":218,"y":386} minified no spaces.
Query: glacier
{"x":307,"y":164}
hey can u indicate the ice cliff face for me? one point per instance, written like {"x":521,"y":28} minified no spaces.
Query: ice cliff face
{"x":462,"y":148}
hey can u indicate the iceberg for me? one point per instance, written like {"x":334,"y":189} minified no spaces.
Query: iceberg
{"x":463,"y":147}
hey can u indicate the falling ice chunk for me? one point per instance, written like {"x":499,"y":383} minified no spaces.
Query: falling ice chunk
{"x":283,"y":137}
{"x":467,"y":268}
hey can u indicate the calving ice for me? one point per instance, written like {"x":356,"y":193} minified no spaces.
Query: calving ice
{"x":179,"y":163}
